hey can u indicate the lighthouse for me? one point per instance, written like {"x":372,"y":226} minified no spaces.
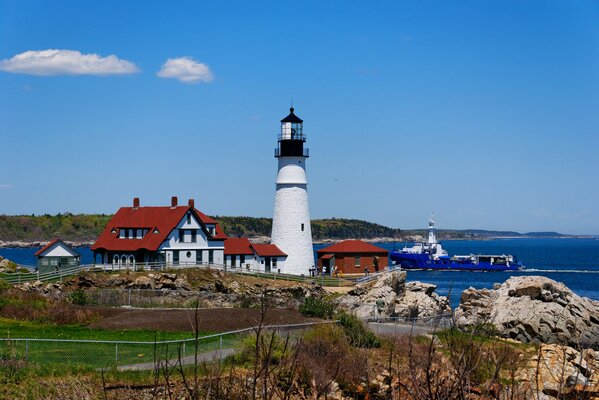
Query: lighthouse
{"x":291,"y":230}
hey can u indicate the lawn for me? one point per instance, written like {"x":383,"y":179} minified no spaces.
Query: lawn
{"x":81,"y":352}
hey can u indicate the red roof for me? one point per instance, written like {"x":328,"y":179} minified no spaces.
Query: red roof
{"x":161,"y":220}
{"x":352,"y":246}
{"x":52,"y":243}
{"x":268,"y":250}
{"x":237,"y":246}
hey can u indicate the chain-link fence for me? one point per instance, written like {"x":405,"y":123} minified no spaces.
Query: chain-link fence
{"x":129,"y":354}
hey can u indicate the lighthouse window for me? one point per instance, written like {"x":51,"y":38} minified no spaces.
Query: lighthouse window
{"x":302,"y":227}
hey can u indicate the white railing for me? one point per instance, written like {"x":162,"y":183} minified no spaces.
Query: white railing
{"x":58,"y":275}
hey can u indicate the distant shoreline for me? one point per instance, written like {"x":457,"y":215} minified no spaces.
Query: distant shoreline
{"x":263,"y":239}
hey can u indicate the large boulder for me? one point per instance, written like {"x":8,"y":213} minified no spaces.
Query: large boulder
{"x":532,"y":309}
{"x":390,"y":296}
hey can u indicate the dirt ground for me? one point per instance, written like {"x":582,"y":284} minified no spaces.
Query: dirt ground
{"x":210,"y":320}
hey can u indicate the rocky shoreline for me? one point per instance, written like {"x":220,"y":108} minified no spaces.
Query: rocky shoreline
{"x":20,"y":244}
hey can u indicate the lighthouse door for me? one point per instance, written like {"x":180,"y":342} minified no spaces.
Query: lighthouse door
{"x":267,"y":264}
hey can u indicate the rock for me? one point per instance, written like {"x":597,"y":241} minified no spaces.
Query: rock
{"x":144,"y":282}
{"x":395,"y":298}
{"x":533,"y":309}
{"x":560,"y":371}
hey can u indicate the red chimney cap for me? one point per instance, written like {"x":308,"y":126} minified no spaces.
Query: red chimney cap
{"x":135,"y":202}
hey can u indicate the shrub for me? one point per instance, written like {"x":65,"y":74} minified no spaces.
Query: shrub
{"x":317,"y":307}
{"x":357,"y":333}
{"x":247,"y":348}
{"x":485,"y":330}
{"x":79,"y":297}
{"x":325,"y":356}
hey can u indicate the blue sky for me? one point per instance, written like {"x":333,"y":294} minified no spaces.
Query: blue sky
{"x":483,"y":112}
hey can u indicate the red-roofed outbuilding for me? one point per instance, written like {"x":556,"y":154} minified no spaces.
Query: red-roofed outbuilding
{"x":352,"y":257}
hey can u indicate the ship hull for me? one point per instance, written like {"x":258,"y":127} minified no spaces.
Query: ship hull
{"x":426,"y":262}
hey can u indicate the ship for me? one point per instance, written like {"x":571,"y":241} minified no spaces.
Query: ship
{"x":431,"y":255}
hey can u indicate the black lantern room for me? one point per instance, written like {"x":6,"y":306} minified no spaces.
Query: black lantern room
{"x":291,"y":138}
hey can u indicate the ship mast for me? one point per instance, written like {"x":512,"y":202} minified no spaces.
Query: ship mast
{"x":432,"y":239}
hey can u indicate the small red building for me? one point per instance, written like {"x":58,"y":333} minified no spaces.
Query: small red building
{"x":352,"y":257}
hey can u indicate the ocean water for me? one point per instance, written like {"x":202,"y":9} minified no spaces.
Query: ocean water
{"x":575,"y":262}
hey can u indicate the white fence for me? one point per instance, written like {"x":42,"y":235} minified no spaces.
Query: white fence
{"x":58,"y":275}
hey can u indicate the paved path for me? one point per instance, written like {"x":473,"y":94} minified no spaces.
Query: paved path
{"x":189,"y":360}
{"x":401,"y":329}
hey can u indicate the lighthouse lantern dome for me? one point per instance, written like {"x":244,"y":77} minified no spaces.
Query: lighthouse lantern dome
{"x":292,"y":127}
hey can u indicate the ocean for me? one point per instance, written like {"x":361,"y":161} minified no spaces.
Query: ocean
{"x":575,"y":262}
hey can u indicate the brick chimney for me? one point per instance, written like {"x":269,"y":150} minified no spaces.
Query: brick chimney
{"x":191,"y":203}
{"x":135,"y":202}
{"x":174,"y":201}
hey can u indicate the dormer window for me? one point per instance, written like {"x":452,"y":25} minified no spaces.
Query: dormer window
{"x":113,"y":231}
{"x":156,"y":230}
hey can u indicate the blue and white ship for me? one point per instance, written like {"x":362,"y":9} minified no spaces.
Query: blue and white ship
{"x":432,"y":256}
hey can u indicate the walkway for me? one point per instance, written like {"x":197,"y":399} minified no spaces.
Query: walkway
{"x":189,"y":360}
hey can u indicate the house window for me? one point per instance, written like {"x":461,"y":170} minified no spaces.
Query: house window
{"x":181,"y":236}
{"x":194,"y":236}
{"x":44,"y":261}
{"x":176,"y":257}
{"x":188,"y":255}
{"x":274,"y":260}
{"x":242,"y":259}
{"x":233,"y":260}
{"x":199,"y":257}
{"x":302,"y":227}
{"x":357,"y":263}
{"x":210,"y":256}
{"x":188,"y":218}
{"x":126,"y":233}
{"x":53,"y":263}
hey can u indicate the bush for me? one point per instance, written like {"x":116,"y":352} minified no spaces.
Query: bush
{"x":357,"y":333}
{"x":79,"y":297}
{"x":317,"y":307}
{"x":268,"y":339}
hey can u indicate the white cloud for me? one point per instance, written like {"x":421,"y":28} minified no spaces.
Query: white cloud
{"x":66,"y":62}
{"x":186,"y":69}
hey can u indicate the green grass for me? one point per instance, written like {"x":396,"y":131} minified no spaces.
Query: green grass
{"x":96,"y":355}
{"x":27,"y":329}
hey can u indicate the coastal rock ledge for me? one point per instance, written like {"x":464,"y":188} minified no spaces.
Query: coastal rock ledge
{"x":395,"y":297}
{"x":532,"y":309}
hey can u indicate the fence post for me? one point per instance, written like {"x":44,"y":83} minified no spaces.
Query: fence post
{"x":221,"y":343}
{"x":116,"y":354}
{"x":26,"y":349}
{"x":129,"y":300}
{"x":183,"y":356}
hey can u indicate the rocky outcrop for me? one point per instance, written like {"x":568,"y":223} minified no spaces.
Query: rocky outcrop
{"x":532,"y":309}
{"x":559,"y":371}
{"x":6,"y":265}
{"x":390,"y":296}
{"x":211,"y":288}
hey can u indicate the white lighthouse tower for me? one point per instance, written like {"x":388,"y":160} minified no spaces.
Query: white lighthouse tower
{"x":291,"y":230}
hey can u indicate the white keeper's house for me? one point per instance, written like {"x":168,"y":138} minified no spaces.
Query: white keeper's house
{"x":179,"y":234}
